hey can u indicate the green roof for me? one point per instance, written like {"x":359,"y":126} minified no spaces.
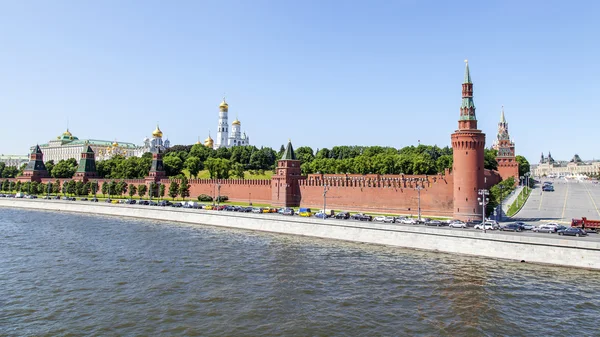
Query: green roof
{"x":289,"y":154}
{"x":467,"y":74}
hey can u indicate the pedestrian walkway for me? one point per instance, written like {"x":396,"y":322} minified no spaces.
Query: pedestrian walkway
{"x":509,"y":201}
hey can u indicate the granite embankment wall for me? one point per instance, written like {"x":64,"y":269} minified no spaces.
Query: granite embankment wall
{"x":547,"y":250}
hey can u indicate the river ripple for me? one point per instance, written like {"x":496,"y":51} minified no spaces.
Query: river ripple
{"x":68,"y":274}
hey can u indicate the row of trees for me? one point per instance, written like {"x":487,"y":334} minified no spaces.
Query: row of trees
{"x":224,"y":163}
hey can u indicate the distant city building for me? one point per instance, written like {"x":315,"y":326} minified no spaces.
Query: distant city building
{"x":548,"y":166}
{"x":67,"y":146}
{"x":13,"y":160}
{"x":224,"y":138}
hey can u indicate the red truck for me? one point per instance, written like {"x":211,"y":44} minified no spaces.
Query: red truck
{"x":584,"y":224}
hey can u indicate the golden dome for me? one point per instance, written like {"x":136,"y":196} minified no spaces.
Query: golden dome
{"x":223,"y":105}
{"x":67,"y":133}
{"x":236,"y":122}
{"x":208,"y":142}
{"x":115,"y":143}
{"x":157,"y":132}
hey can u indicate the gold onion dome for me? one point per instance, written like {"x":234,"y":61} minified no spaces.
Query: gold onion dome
{"x":67,"y":133}
{"x":236,"y":122}
{"x":223,"y":105}
{"x":208,"y":142}
{"x":115,"y":143}
{"x":157,"y":132}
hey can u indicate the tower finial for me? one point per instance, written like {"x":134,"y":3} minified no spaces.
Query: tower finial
{"x":502,"y":119}
{"x":467,"y":73}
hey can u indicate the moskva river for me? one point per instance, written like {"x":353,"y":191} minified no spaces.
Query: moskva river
{"x":66,"y":274}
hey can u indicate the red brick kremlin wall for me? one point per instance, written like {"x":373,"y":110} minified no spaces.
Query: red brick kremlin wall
{"x":395,"y":194}
{"x":255,"y":191}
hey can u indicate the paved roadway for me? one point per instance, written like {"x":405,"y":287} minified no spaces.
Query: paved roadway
{"x":570,"y":199}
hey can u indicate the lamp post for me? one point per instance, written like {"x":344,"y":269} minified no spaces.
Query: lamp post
{"x":501,"y":199}
{"x":325,"y":190}
{"x":249,"y":198}
{"x":48,"y":189}
{"x":219,"y":195}
{"x":419,"y":188}
{"x":483,"y":201}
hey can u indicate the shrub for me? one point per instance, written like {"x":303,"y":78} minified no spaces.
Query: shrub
{"x":222,"y":198}
{"x":204,"y":197}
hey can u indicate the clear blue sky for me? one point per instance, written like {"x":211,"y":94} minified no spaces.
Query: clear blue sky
{"x":322,"y":73}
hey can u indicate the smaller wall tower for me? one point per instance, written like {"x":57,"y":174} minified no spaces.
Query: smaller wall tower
{"x":285,"y":188}
{"x":507,"y":164}
{"x":157,"y":170}
{"x":35,"y":169}
{"x":87,"y":165}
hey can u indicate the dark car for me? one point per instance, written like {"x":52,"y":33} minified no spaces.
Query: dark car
{"x":548,"y":188}
{"x":84,"y":199}
{"x":177,"y":204}
{"x":94,"y":199}
{"x":572,"y":232}
{"x":108,"y":200}
{"x":247,"y":209}
{"x":47,"y":197}
{"x":512,"y":227}
{"x":361,"y":217}
{"x":342,"y":215}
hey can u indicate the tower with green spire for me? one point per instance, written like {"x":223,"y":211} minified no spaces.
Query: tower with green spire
{"x":285,"y":188}
{"x":35,"y":169}
{"x":157,"y":170}
{"x":87,"y":165}
{"x":468,"y":144}
{"x":507,"y":163}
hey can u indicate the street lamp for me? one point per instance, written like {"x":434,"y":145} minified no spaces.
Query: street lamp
{"x":48,"y":189}
{"x":249,"y":198}
{"x":501,"y":199}
{"x":219,"y":195}
{"x":483,"y":201}
{"x":419,"y":188}
{"x":325,"y":190}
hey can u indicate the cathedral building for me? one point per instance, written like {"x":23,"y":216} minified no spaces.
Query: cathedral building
{"x":224,"y":137}
{"x":68,"y":146}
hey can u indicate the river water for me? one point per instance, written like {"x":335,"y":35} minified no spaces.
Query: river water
{"x":67,"y":274}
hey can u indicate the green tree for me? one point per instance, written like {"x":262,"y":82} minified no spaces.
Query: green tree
{"x":218,"y":168}
{"x":142,"y":190}
{"x":201,"y":152}
{"x":105,"y":188}
{"x":193,"y":165}
{"x":122,"y":187}
{"x":184,"y":188}
{"x":56,"y":187}
{"x":132,"y":190}
{"x":71,"y":187}
{"x":64,"y":168}
{"x":152,"y":192}
{"x":49,"y":166}
{"x":173,"y":165}
{"x":79,"y":188}
{"x":86,"y":188}
{"x":112,"y":188}
{"x":444,"y":162}
{"x":173,"y":189}
{"x":161,"y":191}
{"x":237,"y":170}
{"x":5,"y":185}
{"x":223,"y":153}
{"x":10,"y":172}
{"x":489,"y":159}
{"x":524,"y":166}
{"x":2,"y":166}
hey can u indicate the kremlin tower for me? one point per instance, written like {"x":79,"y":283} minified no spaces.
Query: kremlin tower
{"x":507,"y":164}
{"x":468,"y":144}
{"x":223,"y":128}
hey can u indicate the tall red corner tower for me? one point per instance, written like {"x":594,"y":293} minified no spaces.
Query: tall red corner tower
{"x":507,"y":163}
{"x":468,"y":145}
{"x":285,"y":188}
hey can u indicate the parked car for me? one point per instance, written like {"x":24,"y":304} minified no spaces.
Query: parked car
{"x":286,"y":211}
{"x":545,"y":229}
{"x":152,"y":203}
{"x":409,"y":221}
{"x":321,"y":215}
{"x":433,"y":223}
{"x":108,"y":201}
{"x":247,"y":209}
{"x":389,"y":219}
{"x":511,"y":227}
{"x":486,"y":226}
{"x":457,"y":224}
{"x":47,"y":197}
{"x":572,"y":232}
{"x":342,"y":215}
{"x":177,"y":204}
{"x":257,"y":210}
{"x":303,"y":211}
{"x":361,"y":217}
{"x":525,"y":226}
{"x":84,"y":199}
{"x":94,"y":199}
{"x":56,"y":197}
{"x":379,"y":218}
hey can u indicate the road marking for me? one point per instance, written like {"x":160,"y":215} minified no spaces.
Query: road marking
{"x":541,"y":198}
{"x":565,"y":205}
{"x":593,"y":202}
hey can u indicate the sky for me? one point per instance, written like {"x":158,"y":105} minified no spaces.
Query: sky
{"x":321,"y":73}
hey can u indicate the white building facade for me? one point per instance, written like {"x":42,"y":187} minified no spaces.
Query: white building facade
{"x":67,"y":146}
{"x":224,"y":137}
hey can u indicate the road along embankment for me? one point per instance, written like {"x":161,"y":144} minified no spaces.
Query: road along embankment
{"x":546,"y":250}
